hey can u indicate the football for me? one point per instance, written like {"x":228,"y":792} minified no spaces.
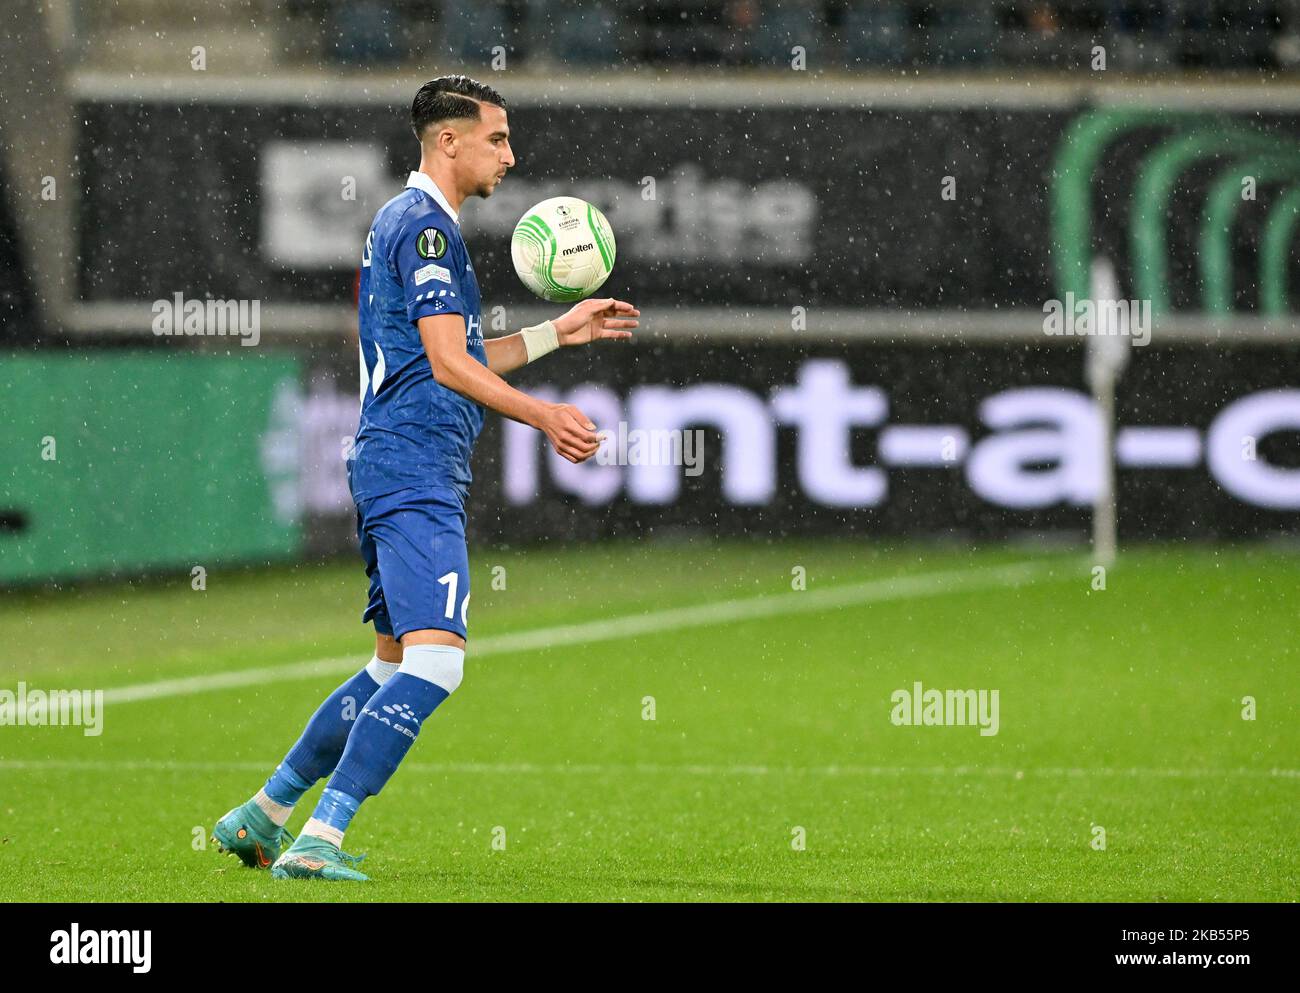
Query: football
{"x":563,"y":249}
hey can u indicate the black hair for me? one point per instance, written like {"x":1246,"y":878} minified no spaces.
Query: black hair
{"x":450,"y":98}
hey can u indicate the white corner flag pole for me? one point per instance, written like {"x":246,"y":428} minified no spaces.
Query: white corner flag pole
{"x":1106,"y":356}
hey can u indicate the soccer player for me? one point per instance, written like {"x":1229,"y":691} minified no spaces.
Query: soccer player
{"x":426,"y":374}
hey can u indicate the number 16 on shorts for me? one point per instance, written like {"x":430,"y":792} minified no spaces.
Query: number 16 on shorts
{"x":451,"y":582}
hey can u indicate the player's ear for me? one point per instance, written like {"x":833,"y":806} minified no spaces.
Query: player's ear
{"x":449,"y":138}
{"x":443,"y":140}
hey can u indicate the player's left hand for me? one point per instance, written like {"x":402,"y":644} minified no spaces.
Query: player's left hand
{"x":592,"y":320}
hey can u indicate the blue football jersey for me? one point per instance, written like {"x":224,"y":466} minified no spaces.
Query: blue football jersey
{"x":413,"y":431}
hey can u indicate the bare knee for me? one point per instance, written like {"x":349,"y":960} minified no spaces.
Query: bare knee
{"x":433,"y":636}
{"x":387,"y":648}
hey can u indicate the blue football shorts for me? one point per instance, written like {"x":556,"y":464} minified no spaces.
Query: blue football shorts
{"x":413,"y":544}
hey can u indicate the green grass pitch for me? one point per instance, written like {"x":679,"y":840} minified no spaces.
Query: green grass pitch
{"x":1119,"y":709}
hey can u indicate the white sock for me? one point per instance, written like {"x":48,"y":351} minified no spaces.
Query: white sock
{"x":381,"y":671}
{"x":442,"y":665}
{"x":319,"y":829}
{"x":278,"y":812}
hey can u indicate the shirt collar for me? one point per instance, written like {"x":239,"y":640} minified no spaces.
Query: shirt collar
{"x":420,"y":181}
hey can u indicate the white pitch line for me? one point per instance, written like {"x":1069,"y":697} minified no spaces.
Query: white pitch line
{"x":651,"y":623}
{"x":682,"y":769}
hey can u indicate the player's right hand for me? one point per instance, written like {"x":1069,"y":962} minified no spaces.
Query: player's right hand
{"x":571,"y":433}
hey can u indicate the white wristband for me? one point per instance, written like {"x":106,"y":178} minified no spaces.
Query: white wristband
{"x":539,"y":340}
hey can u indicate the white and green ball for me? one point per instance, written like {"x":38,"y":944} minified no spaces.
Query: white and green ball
{"x":563,"y":249}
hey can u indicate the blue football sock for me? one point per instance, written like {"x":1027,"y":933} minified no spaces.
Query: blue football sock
{"x":336,"y":808}
{"x":285,"y":786}
{"x":388,"y":725}
{"x":317,"y":752}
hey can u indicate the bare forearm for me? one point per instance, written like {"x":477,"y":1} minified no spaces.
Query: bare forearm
{"x":482,"y":384}
{"x":570,"y":432}
{"x":506,"y":354}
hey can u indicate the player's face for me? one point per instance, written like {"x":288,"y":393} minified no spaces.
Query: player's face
{"x":489,"y":151}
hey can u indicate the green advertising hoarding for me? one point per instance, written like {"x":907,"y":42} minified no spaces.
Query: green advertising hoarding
{"x":121,"y":462}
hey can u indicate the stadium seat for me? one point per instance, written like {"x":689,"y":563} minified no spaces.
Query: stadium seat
{"x":364,"y":34}
{"x":875,"y":32}
{"x":785,"y":26}
{"x":962,"y":35}
{"x":470,"y":32}
{"x":585,"y":34}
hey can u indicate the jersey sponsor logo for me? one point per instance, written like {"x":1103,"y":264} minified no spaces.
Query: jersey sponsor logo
{"x":431,"y":244}
{"x":432,"y":271}
{"x":369,"y":250}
